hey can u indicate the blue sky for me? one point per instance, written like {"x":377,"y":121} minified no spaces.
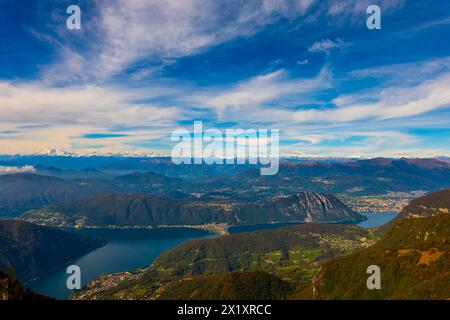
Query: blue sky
{"x":138,"y":70}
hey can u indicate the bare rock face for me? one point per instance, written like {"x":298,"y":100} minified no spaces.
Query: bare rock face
{"x":311,"y":206}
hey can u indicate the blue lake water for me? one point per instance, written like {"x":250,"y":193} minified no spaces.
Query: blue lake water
{"x":131,"y":249}
{"x":126,"y":250}
{"x":374,"y":219}
{"x":7,"y":216}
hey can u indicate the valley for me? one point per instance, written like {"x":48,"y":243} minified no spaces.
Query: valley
{"x":276,"y":232}
{"x":311,"y":261}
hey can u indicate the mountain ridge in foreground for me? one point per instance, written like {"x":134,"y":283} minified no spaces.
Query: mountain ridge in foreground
{"x":414,"y":258}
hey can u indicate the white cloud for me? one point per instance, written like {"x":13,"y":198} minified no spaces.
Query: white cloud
{"x":10,"y":170}
{"x":128,"y":31}
{"x":40,"y":118}
{"x":46,"y":116}
{"x":259,"y":90}
{"x":390,"y":103}
{"x":354,"y":10}
{"x":326,"y":45}
{"x":34,"y":104}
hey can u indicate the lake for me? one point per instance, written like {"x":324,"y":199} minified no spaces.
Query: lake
{"x":374,"y":219}
{"x":131,"y":249}
{"x":126,"y":250}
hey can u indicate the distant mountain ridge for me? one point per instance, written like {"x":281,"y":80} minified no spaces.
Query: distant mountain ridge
{"x":149,"y":210}
{"x":374,"y":176}
{"x":24,"y":191}
{"x":159,"y":176}
{"x":85,"y":173}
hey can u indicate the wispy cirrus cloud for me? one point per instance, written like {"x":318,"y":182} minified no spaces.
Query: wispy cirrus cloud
{"x":326,"y":45}
{"x":161,"y":30}
{"x":126,"y":32}
{"x":257,"y":92}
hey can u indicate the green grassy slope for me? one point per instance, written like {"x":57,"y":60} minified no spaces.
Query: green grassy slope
{"x":248,"y":285}
{"x":414,"y":258}
{"x":286,"y":252}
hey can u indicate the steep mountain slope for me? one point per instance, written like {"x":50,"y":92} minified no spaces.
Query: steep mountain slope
{"x":12,"y":289}
{"x":413,"y":254}
{"x":414,"y":257}
{"x":150,"y":210}
{"x":34,"y":250}
{"x":256,"y":285}
{"x":24,"y":191}
{"x":430,"y":205}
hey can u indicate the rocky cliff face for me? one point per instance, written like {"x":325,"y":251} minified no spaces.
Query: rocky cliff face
{"x":316,"y":207}
{"x":149,"y":210}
